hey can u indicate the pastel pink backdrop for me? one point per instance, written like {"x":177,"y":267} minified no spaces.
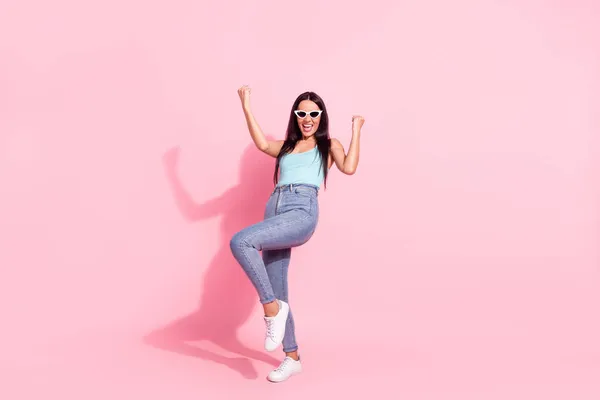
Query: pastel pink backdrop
{"x":461,"y":261}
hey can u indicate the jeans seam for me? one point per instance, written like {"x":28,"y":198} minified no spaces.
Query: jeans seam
{"x":253,"y":268}
{"x":283,"y":286}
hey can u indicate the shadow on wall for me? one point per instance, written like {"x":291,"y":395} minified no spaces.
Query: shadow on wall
{"x":227,"y":297}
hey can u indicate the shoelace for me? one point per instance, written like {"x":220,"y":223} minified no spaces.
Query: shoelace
{"x":284,"y":364}
{"x":270,"y":325}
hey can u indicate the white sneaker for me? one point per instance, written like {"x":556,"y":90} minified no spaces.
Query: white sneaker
{"x":288,"y":368}
{"x":276,"y":326}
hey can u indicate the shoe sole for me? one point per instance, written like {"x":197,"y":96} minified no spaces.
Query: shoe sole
{"x":283,"y":380}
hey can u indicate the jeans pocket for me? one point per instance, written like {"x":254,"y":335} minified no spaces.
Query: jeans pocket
{"x":306,"y":192}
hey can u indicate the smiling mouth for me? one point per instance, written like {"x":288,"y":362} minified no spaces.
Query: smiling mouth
{"x":307,"y":127}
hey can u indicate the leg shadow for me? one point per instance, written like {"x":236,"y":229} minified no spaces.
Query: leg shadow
{"x":228,"y":298}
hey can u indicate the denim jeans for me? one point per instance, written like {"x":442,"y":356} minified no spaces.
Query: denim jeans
{"x":290,"y":219}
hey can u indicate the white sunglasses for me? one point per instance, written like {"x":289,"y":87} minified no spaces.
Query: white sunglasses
{"x":313,"y":114}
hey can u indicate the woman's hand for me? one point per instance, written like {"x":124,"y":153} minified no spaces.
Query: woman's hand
{"x":270,"y":147}
{"x":244,"y":93}
{"x":357,"y":123}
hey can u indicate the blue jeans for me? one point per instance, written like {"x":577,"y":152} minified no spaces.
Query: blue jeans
{"x":291,"y":216}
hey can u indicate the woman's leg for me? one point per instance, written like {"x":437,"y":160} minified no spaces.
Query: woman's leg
{"x":282,"y":231}
{"x":290,"y":220}
{"x":277,"y":263}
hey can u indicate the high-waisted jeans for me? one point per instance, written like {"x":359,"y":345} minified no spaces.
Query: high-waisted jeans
{"x":290,"y":219}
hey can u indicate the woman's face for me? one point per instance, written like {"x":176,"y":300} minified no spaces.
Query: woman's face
{"x":308,"y":119}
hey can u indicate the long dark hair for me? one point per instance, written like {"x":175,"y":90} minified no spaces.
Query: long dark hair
{"x":293,"y":134}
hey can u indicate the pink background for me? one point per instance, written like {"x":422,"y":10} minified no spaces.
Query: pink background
{"x":460,"y":262}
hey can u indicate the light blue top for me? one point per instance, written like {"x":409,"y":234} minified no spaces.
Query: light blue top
{"x":302,"y":167}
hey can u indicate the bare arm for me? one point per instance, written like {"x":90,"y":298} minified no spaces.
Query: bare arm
{"x":348,"y":163}
{"x":270,"y":147}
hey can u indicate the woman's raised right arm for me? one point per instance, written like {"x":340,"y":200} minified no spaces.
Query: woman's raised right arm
{"x":270,"y":147}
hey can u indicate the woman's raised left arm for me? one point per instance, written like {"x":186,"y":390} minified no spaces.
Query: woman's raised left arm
{"x":347,"y":163}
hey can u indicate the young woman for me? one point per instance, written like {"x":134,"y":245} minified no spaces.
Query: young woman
{"x":302,"y":162}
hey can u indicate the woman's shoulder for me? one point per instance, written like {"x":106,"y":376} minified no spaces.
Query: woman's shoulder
{"x":336,"y":144}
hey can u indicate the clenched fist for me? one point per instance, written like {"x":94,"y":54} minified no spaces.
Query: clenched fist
{"x":357,"y":122}
{"x":244,"y":93}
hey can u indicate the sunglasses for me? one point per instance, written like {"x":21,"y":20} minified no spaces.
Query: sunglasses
{"x":313,"y":114}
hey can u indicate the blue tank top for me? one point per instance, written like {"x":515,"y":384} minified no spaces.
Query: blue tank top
{"x":302,"y":167}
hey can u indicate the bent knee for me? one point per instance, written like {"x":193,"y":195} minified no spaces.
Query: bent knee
{"x":238,"y":241}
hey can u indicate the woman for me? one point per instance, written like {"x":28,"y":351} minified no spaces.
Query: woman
{"x":302,"y":162}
